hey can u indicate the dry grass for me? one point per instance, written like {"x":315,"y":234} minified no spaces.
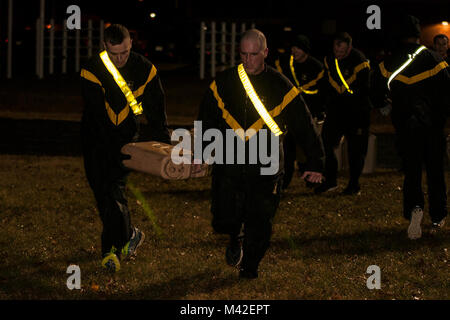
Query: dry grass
{"x":321,"y":246}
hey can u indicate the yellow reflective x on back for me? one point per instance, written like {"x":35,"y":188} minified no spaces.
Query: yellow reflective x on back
{"x":136,"y":107}
{"x":257,"y":102}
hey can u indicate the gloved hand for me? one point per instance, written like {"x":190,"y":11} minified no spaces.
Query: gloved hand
{"x":122,"y":157}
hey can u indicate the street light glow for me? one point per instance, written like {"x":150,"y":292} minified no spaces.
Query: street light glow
{"x":153,"y":15}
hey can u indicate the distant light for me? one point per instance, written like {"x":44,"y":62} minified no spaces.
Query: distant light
{"x":159,"y":48}
{"x":107,"y":24}
{"x":445,"y":23}
{"x":49,"y":26}
{"x":287,"y":29}
{"x":153,"y":15}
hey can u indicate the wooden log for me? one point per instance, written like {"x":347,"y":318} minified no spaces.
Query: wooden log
{"x":154,"y":158}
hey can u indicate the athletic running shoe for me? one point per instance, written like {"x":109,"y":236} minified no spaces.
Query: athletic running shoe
{"x":136,"y":240}
{"x":110,"y":261}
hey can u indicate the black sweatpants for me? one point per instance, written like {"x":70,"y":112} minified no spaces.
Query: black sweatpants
{"x":108,"y":180}
{"x":423,"y":146}
{"x":357,"y":138}
{"x":251,"y":202}
{"x":290,"y":153}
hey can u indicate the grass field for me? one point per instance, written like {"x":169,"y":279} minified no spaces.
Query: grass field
{"x":320,"y":249}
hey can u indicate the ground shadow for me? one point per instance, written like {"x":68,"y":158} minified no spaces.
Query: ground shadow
{"x":368,"y":242}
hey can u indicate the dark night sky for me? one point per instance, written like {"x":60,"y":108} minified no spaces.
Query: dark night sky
{"x":178,"y":20}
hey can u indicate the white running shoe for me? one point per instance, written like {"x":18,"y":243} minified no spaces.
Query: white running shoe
{"x":437,"y":226}
{"x":414,"y":229}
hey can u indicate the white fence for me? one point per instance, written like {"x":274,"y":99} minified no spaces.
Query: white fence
{"x":219,"y":45}
{"x":60,"y":44}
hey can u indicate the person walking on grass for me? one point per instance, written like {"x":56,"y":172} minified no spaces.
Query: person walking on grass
{"x":417,"y":80}
{"x":250,"y":99}
{"x":119,"y":88}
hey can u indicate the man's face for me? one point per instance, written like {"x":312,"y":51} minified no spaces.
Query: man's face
{"x":298,"y":53}
{"x":252,"y":56}
{"x":119,"y":53}
{"x":341,"y":49}
{"x":441,"y":46}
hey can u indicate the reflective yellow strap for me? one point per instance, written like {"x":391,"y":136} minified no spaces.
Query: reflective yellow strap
{"x":136,"y":107}
{"x":291,"y":64}
{"x":418,"y":77}
{"x":342,"y":78}
{"x":341,"y":89}
{"x":257,"y":102}
{"x":411,"y":57}
{"x":288,"y":97}
{"x":309,"y":91}
{"x":278,"y":66}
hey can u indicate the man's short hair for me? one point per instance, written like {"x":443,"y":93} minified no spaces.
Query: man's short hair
{"x":343,"y":37}
{"x":255,"y":34}
{"x":115,"y":34}
{"x":439,"y":36}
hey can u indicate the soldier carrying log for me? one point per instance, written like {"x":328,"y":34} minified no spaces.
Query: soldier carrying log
{"x":119,"y":88}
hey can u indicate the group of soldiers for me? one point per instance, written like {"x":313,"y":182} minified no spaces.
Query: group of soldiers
{"x":290,"y":100}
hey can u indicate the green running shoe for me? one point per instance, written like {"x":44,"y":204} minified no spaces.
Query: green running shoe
{"x":110,"y":261}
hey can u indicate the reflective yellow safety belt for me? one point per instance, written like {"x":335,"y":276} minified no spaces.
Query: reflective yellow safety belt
{"x":136,"y":107}
{"x":257,"y":102}
{"x":291,"y":64}
{"x":342,"y":78}
{"x":404,"y":65}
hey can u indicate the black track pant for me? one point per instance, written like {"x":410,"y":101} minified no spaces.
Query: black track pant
{"x":108,"y":182}
{"x":423,"y":146}
{"x":237,"y":201}
{"x":290,"y":152}
{"x":357,"y":140}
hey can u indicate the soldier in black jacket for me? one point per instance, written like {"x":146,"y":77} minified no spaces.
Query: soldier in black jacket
{"x":417,"y":81}
{"x":345,"y":87}
{"x":244,"y":200}
{"x":304,"y":71}
{"x":440,"y":45}
{"x":110,"y":120}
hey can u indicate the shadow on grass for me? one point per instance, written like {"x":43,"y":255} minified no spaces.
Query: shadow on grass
{"x":35,"y":285}
{"x":181,"y":195}
{"x":179,"y":287}
{"x":367,"y":242}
